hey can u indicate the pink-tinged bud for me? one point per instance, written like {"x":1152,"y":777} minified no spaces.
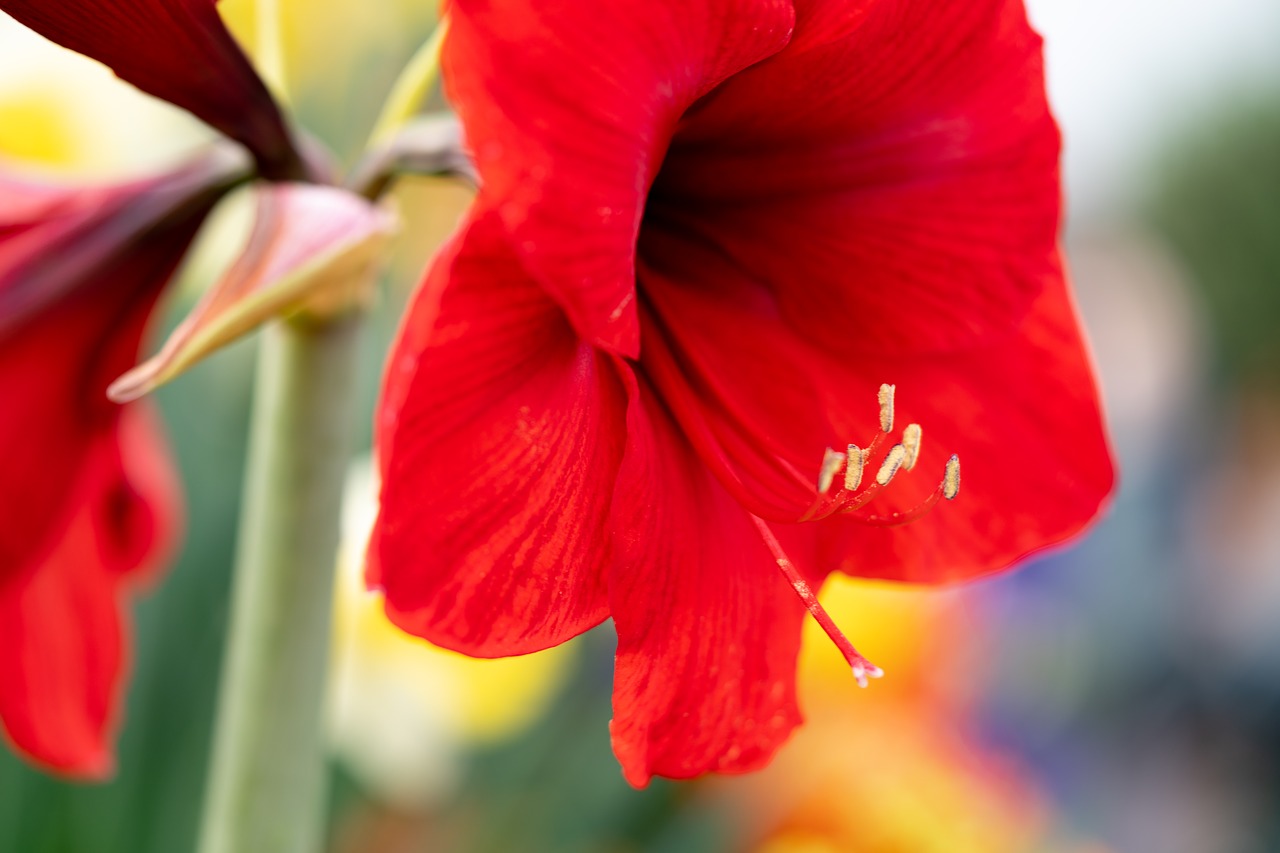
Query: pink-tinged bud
{"x":312,"y":249}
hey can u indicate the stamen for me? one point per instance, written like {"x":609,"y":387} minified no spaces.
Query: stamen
{"x":951,"y":482}
{"x":853,"y":472}
{"x":911,"y":437}
{"x":948,"y":489}
{"x":886,"y":407}
{"x":892,"y":462}
{"x":861,"y":667}
{"x":832,"y":461}
{"x":852,"y":495}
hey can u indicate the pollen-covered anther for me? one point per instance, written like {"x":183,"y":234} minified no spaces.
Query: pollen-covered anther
{"x":892,"y":462}
{"x":842,"y":489}
{"x":911,"y":437}
{"x":948,"y":488}
{"x":886,"y":407}
{"x":951,"y":480}
{"x":832,"y":462}
{"x":857,"y":460}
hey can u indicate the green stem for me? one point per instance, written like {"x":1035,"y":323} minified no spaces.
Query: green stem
{"x":267,"y":779}
{"x":411,"y":88}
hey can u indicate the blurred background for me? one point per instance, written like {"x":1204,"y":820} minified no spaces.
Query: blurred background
{"x":1120,"y":695}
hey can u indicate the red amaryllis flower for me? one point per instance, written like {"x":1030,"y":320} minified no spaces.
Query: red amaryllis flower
{"x":89,"y":501}
{"x":706,"y":234}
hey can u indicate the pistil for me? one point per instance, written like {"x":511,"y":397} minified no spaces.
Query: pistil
{"x":862,"y":668}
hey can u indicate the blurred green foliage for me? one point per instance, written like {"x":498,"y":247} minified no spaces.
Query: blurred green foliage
{"x":558,"y":789}
{"x":1216,"y":199}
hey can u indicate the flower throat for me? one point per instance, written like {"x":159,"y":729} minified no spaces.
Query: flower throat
{"x":847,"y":469}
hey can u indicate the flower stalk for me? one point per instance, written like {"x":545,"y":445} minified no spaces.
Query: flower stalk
{"x":266,"y":785}
{"x":411,"y":87}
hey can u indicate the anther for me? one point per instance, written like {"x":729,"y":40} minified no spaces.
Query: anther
{"x":951,"y":481}
{"x":911,"y":441}
{"x":852,"y":494}
{"x":892,"y":462}
{"x":853,"y":471}
{"x":832,"y":460}
{"x":886,"y":408}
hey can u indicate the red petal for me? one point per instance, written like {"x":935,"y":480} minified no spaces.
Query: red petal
{"x":740,"y":382}
{"x":62,"y":642}
{"x":909,"y":203}
{"x":896,"y":225}
{"x":568,"y":106}
{"x":708,"y":629}
{"x":499,"y":435}
{"x":760,"y":402}
{"x":178,"y":50}
{"x":1025,"y":418}
{"x":89,"y":500}
{"x":68,"y":329}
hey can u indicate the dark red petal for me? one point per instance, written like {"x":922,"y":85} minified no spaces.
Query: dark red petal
{"x":761,"y":401}
{"x":63,"y":649}
{"x":740,"y":382}
{"x":499,"y":435}
{"x":907,"y":203}
{"x":568,"y":106}
{"x":178,"y":50}
{"x":708,"y":629}
{"x":55,"y":237}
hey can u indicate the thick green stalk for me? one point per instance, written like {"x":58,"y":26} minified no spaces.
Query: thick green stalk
{"x":266,"y":785}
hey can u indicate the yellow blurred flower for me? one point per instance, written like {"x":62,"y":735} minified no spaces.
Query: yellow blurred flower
{"x":69,"y":114}
{"x":36,"y":130}
{"x":926,"y":641}
{"x":403,"y":710}
{"x":893,"y":780}
{"x":894,"y":769}
{"x":64,"y":113}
